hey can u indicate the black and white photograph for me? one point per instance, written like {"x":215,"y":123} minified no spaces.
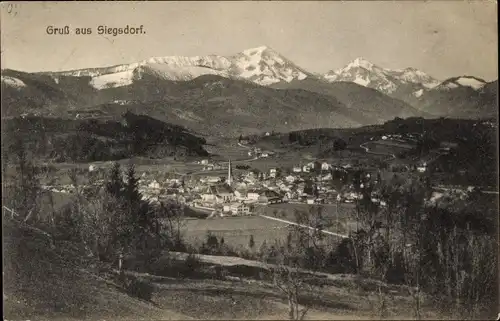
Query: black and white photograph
{"x":250,"y":160}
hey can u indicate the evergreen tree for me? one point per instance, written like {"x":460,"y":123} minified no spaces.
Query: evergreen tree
{"x":251,"y":242}
{"x":114,"y":184}
{"x":132,"y":186}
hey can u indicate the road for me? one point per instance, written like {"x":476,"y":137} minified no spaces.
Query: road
{"x":392,"y":156}
{"x":301,"y":225}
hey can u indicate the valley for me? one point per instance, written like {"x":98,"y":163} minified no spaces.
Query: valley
{"x":169,"y":173}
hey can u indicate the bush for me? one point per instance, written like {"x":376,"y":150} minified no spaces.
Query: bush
{"x":140,"y":289}
{"x":191,"y":265}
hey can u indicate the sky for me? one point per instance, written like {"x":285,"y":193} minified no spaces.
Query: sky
{"x":441,"y":38}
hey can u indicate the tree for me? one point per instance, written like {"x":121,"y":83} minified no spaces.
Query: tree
{"x":24,"y":191}
{"x":302,"y":248}
{"x":251,"y":242}
{"x":114,"y":183}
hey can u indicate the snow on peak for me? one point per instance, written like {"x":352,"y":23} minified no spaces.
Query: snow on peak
{"x":265,"y":66}
{"x":463,"y":81}
{"x":13,"y":82}
{"x":418,"y":93}
{"x":361,"y":62}
{"x":470,"y":82}
{"x":365,"y":73}
{"x":261,"y":65}
{"x":255,"y":51}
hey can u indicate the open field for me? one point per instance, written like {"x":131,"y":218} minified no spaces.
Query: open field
{"x":395,"y":143}
{"x":235,"y":230}
{"x":339,"y":220}
{"x":374,"y":147}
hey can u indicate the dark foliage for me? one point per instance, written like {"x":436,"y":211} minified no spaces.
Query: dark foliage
{"x":94,"y":140}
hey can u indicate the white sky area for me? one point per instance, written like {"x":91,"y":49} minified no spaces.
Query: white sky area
{"x":442,"y":38}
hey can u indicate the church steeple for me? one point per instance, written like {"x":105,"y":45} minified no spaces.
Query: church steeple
{"x":229,"y":174}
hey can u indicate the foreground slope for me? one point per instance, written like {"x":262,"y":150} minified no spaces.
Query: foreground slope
{"x":49,"y":283}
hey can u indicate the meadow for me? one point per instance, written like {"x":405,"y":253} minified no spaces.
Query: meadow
{"x":235,"y":230}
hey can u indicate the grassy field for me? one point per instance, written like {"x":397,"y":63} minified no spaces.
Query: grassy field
{"x":340,"y":220}
{"x":235,"y":230}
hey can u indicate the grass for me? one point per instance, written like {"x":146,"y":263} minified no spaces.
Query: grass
{"x":235,"y":230}
{"x":40,"y":282}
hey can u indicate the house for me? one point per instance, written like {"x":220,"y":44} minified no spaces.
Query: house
{"x":204,"y":162}
{"x":310,"y":200}
{"x":306,"y":169}
{"x":264,"y":155}
{"x":327,"y":177}
{"x":290,"y":178}
{"x":273,"y":172}
{"x":269,"y":197}
{"x":240,"y":194}
{"x":91,"y":168}
{"x":253,"y":195}
{"x":421,"y":169}
{"x":325,"y":166}
{"x":210,"y":179}
{"x":297,"y":169}
{"x":237,"y":208}
{"x":154,"y":184}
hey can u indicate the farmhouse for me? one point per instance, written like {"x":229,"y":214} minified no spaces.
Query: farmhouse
{"x":253,"y":195}
{"x":237,"y":208}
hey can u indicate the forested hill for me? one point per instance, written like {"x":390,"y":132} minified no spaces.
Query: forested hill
{"x":85,"y":140}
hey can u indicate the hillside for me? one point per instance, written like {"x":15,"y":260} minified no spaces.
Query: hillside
{"x":59,"y":283}
{"x":369,"y":102}
{"x":96,"y":140}
{"x":460,"y":97}
{"x":53,"y":283}
{"x":207,"y":104}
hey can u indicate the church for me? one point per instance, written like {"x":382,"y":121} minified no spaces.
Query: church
{"x":221,"y":193}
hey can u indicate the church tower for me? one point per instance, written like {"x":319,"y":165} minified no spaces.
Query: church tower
{"x":229,"y":174}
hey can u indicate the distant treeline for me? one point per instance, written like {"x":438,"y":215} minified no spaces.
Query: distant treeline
{"x":88,"y":140}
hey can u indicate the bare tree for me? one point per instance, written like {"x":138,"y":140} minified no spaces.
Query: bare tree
{"x":287,"y":262}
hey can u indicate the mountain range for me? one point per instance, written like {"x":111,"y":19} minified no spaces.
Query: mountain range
{"x":257,"y":89}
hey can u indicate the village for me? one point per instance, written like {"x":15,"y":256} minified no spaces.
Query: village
{"x":238,"y":194}
{"x":218,"y":189}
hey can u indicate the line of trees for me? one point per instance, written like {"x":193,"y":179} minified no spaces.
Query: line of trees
{"x":108,"y":221}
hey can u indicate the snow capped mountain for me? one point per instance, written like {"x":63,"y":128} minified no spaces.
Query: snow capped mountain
{"x":414,"y":76}
{"x":463,"y":81}
{"x":13,"y":82}
{"x":261,"y":65}
{"x":387,"y":81}
{"x":265,"y":66}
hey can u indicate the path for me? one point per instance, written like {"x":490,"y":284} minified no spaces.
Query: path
{"x":367,"y":150}
{"x":305,"y":226}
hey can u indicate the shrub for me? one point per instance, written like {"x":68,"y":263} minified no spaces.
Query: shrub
{"x":141,"y":289}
